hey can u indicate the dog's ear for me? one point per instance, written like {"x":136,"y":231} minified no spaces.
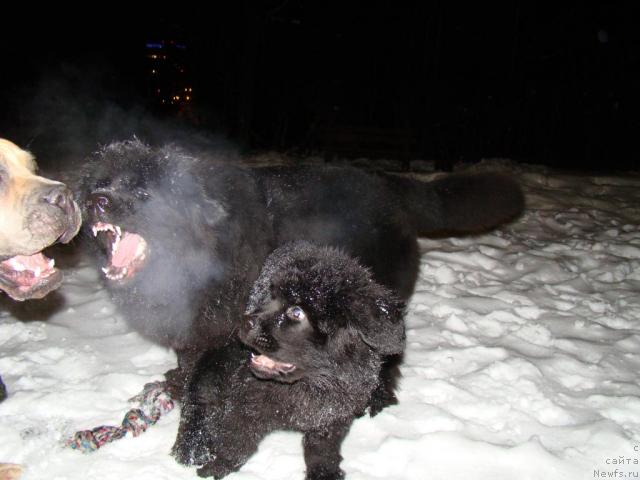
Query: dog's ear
{"x":380,"y":322}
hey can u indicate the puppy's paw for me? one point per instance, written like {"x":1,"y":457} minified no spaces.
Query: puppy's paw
{"x":320,"y":473}
{"x":192,"y":447}
{"x":190,"y":453}
{"x":218,"y":468}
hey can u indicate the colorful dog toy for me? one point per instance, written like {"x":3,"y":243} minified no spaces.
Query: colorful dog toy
{"x":154,"y":402}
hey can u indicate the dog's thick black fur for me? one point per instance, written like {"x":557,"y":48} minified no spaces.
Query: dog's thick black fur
{"x":184,"y":235}
{"x":319,"y":329}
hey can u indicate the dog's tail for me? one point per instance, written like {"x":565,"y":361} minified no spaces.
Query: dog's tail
{"x":461,"y":203}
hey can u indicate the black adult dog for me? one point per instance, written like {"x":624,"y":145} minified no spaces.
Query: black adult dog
{"x":184,"y":236}
{"x":319,"y":329}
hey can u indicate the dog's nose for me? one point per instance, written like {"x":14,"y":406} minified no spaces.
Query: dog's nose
{"x":59,"y":196}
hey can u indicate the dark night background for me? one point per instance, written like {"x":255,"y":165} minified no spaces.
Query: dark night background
{"x":553,"y":83}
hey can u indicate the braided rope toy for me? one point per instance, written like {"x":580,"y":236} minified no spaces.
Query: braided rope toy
{"x":154,"y":401}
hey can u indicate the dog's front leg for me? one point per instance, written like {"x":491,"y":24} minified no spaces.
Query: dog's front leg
{"x":322,"y":452}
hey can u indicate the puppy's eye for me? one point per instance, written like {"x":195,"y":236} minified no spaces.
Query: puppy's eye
{"x":296,"y":313}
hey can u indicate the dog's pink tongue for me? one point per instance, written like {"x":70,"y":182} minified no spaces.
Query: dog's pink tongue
{"x":126,"y":251}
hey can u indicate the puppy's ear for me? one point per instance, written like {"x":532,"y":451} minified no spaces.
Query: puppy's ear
{"x":380,"y":323}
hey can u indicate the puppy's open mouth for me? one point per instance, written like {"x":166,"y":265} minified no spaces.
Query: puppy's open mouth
{"x":266,"y":367}
{"x":126,"y":251}
{"x":29,"y":276}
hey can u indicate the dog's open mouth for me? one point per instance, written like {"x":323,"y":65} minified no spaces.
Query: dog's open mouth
{"x":29,"y":276}
{"x":266,"y":367}
{"x":126,"y":251}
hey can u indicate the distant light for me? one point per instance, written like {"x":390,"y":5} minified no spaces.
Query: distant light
{"x":188,"y":98}
{"x":154,"y":45}
{"x":153,"y":71}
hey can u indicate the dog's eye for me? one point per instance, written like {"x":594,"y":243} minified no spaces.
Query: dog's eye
{"x":296,"y":313}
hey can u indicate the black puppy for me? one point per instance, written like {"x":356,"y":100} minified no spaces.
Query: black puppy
{"x":316,"y":331}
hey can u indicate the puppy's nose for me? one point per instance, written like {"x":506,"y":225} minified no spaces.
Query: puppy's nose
{"x":59,"y":196}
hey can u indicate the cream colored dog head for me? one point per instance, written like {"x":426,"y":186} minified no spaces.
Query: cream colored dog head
{"x":35,"y":212}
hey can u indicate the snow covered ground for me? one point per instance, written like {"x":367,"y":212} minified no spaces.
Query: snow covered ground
{"x":523,"y":360}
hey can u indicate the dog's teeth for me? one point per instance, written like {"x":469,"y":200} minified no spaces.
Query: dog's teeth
{"x":36,"y":272}
{"x":94,"y":229}
{"x":51,"y":263}
{"x":114,"y":276}
{"x":118,"y":231}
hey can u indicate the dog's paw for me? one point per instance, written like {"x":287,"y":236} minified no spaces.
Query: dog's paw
{"x":10,"y":471}
{"x":380,"y":399}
